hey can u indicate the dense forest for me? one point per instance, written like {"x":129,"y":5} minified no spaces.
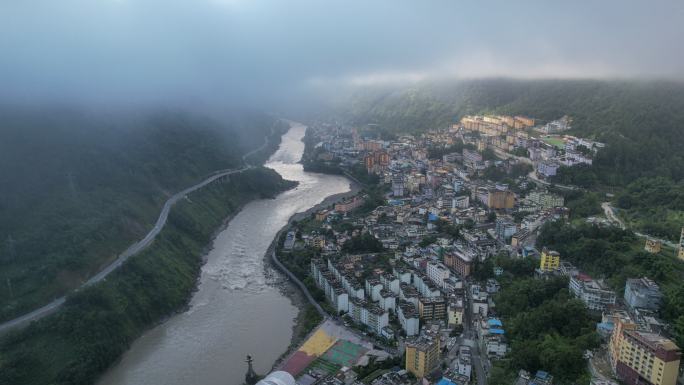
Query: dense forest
{"x":79,"y":187}
{"x":98,"y":323}
{"x":547,"y":328}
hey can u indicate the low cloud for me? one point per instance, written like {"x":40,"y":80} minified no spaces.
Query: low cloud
{"x":261,"y":52}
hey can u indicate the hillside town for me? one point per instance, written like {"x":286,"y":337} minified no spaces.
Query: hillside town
{"x":397,"y":266}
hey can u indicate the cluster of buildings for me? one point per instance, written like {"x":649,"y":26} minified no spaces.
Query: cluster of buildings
{"x":511,"y":134}
{"x":418,"y":290}
{"x":639,"y":348}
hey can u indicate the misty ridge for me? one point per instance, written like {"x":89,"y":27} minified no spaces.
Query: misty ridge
{"x":109,"y":107}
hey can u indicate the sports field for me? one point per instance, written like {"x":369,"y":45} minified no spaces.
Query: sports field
{"x":555,"y":141}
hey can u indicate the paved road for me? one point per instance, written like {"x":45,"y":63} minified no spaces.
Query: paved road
{"x":136,"y":247}
{"x":612,"y":217}
{"x":470,"y":335}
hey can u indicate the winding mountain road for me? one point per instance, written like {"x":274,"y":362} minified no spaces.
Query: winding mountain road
{"x":612,"y":217}
{"x":137,"y":246}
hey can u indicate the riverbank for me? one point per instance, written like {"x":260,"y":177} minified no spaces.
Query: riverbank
{"x":97,"y":324}
{"x":305,"y":311}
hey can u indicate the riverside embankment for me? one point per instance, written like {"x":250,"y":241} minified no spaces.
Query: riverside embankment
{"x":238,"y":308}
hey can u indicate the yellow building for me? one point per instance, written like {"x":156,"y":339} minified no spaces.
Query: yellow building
{"x":498,"y":199}
{"x":550,"y":260}
{"x":647,"y":358}
{"x":621,"y":322}
{"x":422,"y":355}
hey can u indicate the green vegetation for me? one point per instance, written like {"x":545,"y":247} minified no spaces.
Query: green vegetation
{"x":77,"y":189}
{"x":617,"y":255}
{"x":548,"y":329}
{"x":554,"y":141}
{"x":98,"y":323}
{"x":654,"y":206}
{"x":364,"y":243}
{"x":582,"y":204}
{"x":504,"y":174}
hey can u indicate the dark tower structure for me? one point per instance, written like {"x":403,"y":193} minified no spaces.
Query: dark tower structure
{"x":251,"y":377}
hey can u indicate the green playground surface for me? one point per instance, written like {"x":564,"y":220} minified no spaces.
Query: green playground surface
{"x":558,"y":142}
{"x":344,"y":353}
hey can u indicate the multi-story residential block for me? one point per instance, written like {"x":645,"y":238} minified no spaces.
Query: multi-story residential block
{"x":455,"y":310}
{"x":643,"y":293}
{"x":422,"y":355}
{"x":505,"y":229}
{"x":647,"y":358}
{"x":390,"y":282}
{"x":550,"y":261}
{"x":547,"y":169}
{"x":594,"y":293}
{"x":438,"y":273}
{"x":388,"y":301}
{"x":459,"y":262}
{"x":464,"y":364}
{"x":408,"y":318}
{"x":373,"y":287}
{"x":369,"y":315}
{"x":348,"y":205}
{"x":545,"y":200}
{"x":500,"y":199}
{"x":432,"y":308}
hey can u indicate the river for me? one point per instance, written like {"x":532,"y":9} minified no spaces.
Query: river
{"x":237,"y":309}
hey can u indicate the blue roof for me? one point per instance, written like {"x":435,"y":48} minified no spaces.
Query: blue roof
{"x":494,"y":322}
{"x":496,"y":331}
{"x":542,"y":374}
{"x":606,"y":325}
{"x":444,"y":381}
{"x":432,"y":217}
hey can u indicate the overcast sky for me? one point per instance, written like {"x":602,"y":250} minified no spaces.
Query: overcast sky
{"x":253,"y":50}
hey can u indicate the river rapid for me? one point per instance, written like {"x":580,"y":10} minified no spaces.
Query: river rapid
{"x":237,"y":309}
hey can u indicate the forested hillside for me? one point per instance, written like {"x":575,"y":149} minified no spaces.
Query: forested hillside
{"x":77,"y":188}
{"x":642,"y":122}
{"x":97,"y":324}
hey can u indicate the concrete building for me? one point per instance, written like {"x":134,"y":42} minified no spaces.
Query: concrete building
{"x":643,"y":293}
{"x":504,"y":229}
{"x":550,"y":261}
{"x":422,"y":355}
{"x":432,"y":308}
{"x":373,"y":287}
{"x":547,"y":169}
{"x":455,"y":310}
{"x":594,"y":293}
{"x":408,"y":318}
{"x":498,"y":199}
{"x":647,"y":358}
{"x":459,"y":262}
{"x":438,"y":273}
{"x":545,"y":200}
{"x":369,"y":315}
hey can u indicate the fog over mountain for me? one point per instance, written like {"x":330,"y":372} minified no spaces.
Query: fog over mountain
{"x":261,"y":52}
